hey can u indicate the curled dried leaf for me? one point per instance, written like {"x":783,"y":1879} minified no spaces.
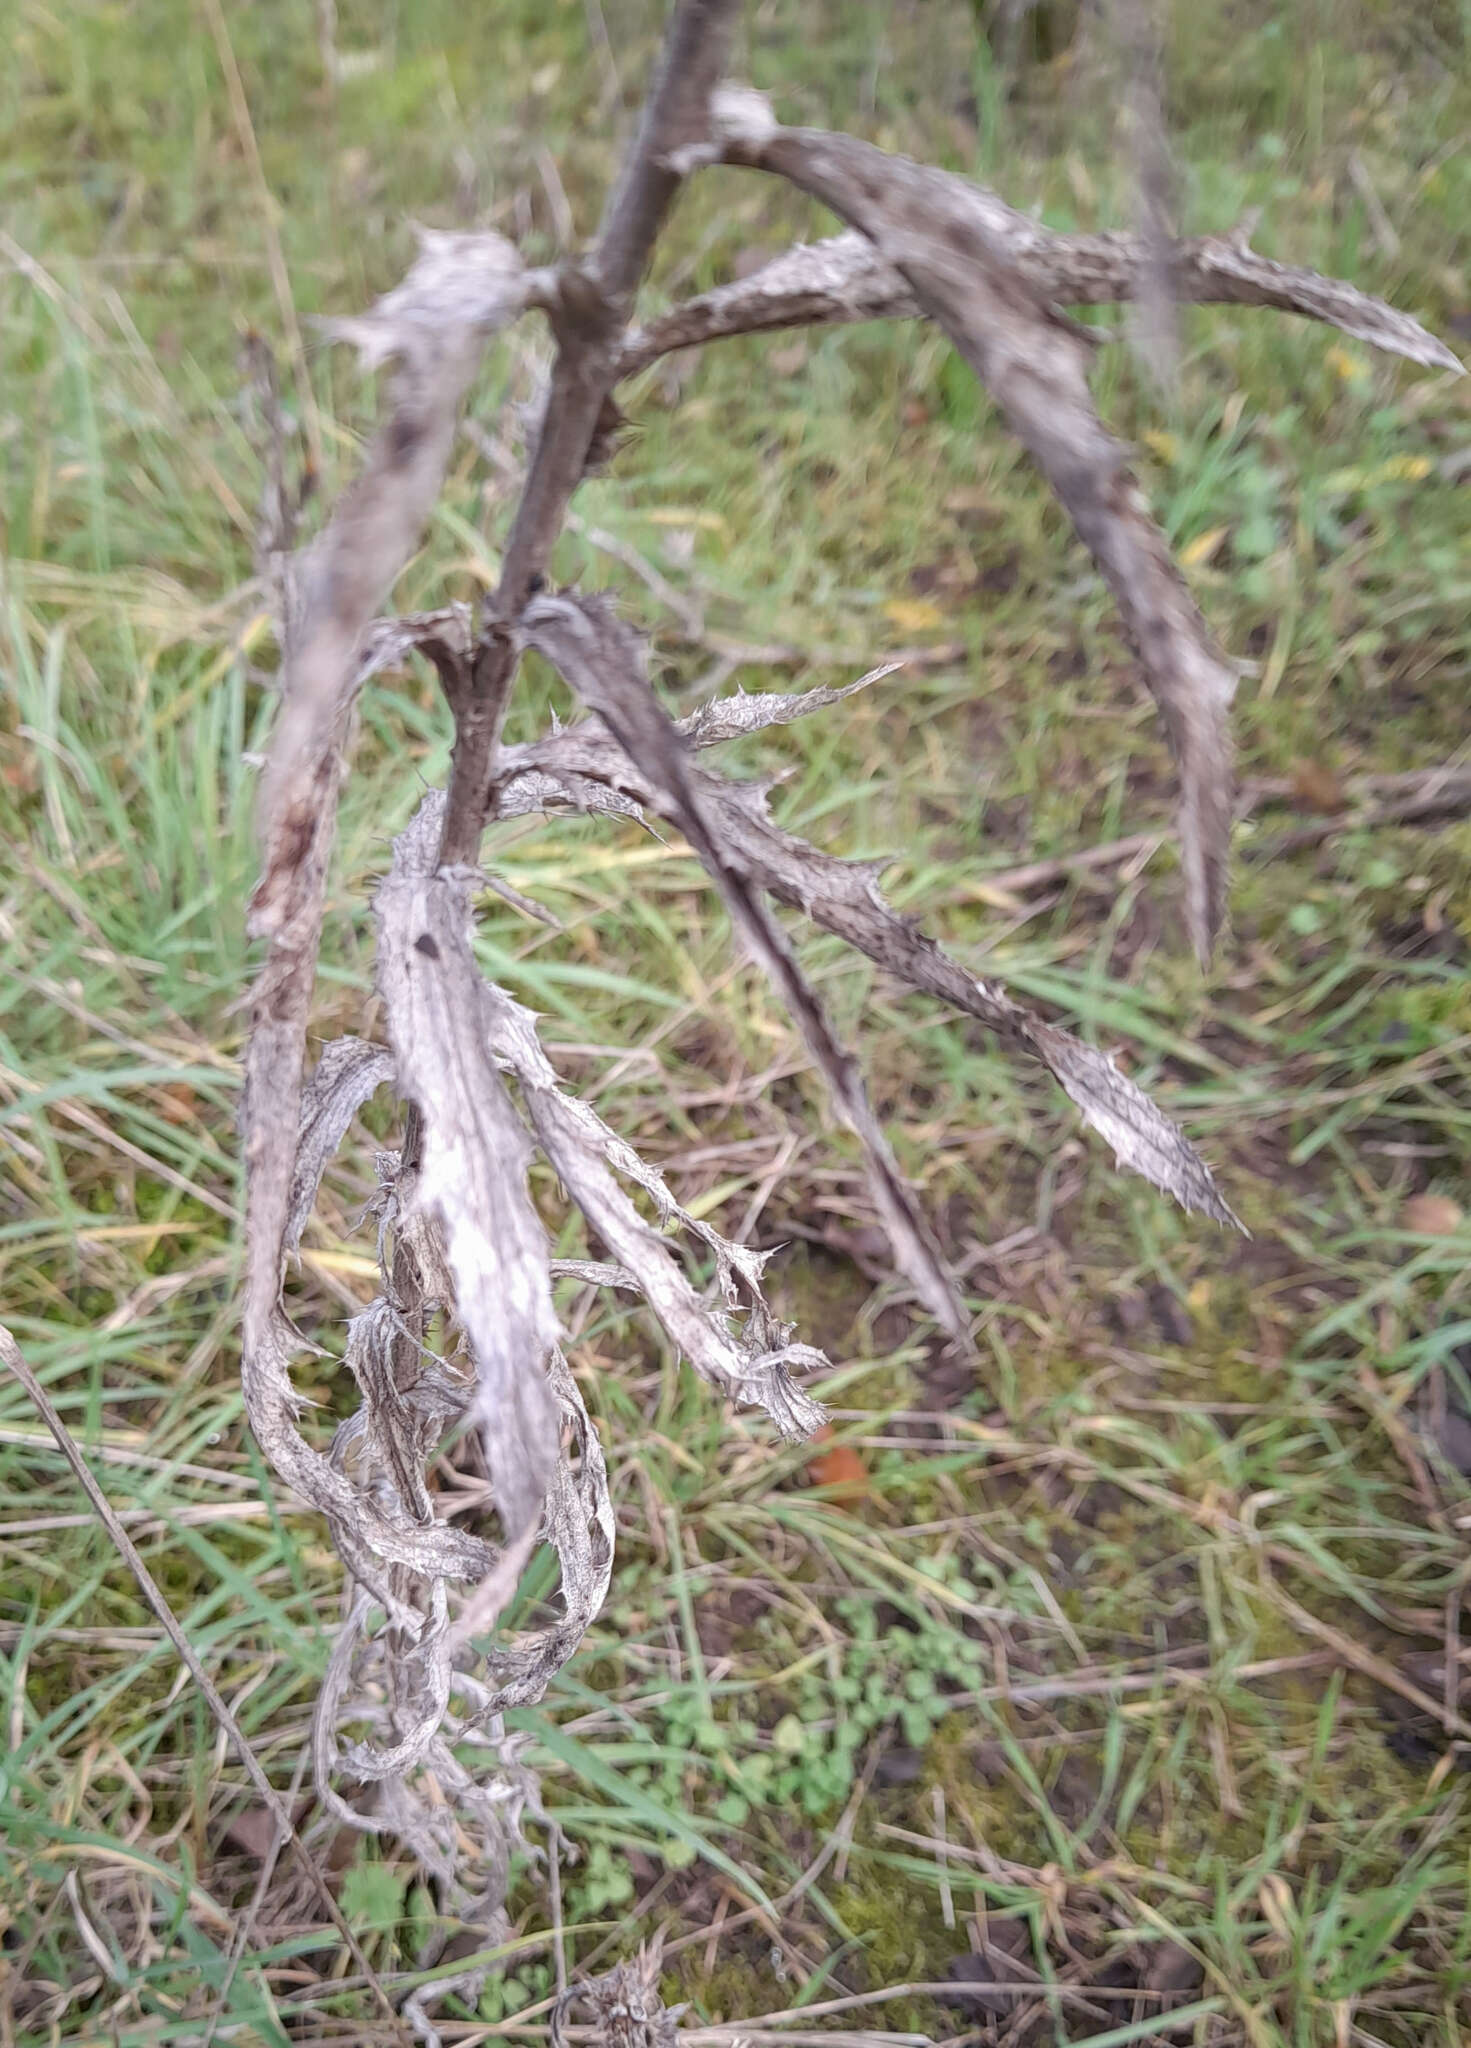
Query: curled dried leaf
{"x":579,"y":1526}
{"x":754,"y":1367}
{"x":940,"y":233}
{"x":435,"y":327}
{"x":844,"y":898}
{"x":475,"y":1153}
{"x":603,"y":662}
{"x":348,"y":1072}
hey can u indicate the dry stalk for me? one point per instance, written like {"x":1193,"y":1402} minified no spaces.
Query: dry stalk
{"x":410,"y":1709}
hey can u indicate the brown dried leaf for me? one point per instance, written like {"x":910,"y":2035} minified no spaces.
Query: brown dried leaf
{"x":1432,"y":1215}
{"x":1316,"y":788}
{"x":840,"y":1471}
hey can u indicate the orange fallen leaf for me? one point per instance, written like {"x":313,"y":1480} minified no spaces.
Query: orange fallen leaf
{"x":839,"y":1470}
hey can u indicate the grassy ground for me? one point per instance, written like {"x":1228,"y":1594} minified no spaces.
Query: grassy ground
{"x":1125,"y":1668}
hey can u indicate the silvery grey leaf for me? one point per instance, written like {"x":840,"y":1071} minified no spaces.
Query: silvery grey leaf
{"x":475,"y":1155}
{"x":844,"y":898}
{"x":348,"y":1072}
{"x":603,"y":662}
{"x":436,"y":330}
{"x":753,"y":1367}
{"x":941,"y":234}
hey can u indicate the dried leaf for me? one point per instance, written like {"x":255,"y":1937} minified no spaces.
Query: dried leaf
{"x":727,"y":718}
{"x":387,"y":641}
{"x":459,"y":285}
{"x":845,"y":279}
{"x":1204,"y":548}
{"x":624,"y":2006}
{"x":1317,"y":788}
{"x":843,"y":897}
{"x":1143,"y":1138}
{"x":580,"y":1527}
{"x":435,"y":324}
{"x":475,"y":1153}
{"x":348,"y":1072}
{"x":754,"y":1368}
{"x":603,"y":662}
{"x":940,"y":233}
{"x":254,"y":1831}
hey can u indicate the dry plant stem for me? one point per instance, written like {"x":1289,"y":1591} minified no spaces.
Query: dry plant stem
{"x":938,"y":232}
{"x":589,"y":311}
{"x":603,"y":662}
{"x":10,"y":1354}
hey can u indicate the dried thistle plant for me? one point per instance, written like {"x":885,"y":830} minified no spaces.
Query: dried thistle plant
{"x":418,"y":1670}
